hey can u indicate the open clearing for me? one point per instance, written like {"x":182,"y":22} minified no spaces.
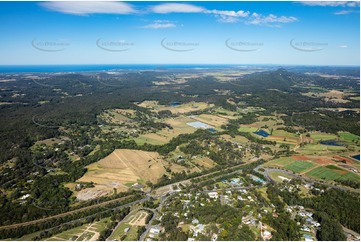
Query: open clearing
{"x":187,"y":107}
{"x":204,"y":162}
{"x":320,"y":167}
{"x":212,"y":120}
{"x":330,"y":96}
{"x":178,"y":109}
{"x":51,"y":141}
{"x":138,"y":219}
{"x":120,"y":233}
{"x":299,"y":163}
{"x":322,"y":136}
{"x":319,"y":160}
{"x":169,"y":81}
{"x":299,"y":166}
{"x":348,"y":136}
{"x":163,"y":136}
{"x":158,"y":138}
{"x":282,"y":139}
{"x":334,"y":96}
{"x":348,"y":161}
{"x":121,"y":167}
{"x":86,"y":232}
{"x":149,"y":104}
{"x":283,"y":133}
{"x":272,"y":125}
{"x":118,"y":116}
{"x":247,"y":129}
{"x":128,"y":227}
{"x":332,"y":173}
{"x":280,"y":162}
{"x":175,"y":168}
{"x":277,"y":176}
{"x":224,"y":112}
{"x":239,"y":139}
{"x":316,"y":149}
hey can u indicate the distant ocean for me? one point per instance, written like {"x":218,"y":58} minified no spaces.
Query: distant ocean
{"x":82,"y":68}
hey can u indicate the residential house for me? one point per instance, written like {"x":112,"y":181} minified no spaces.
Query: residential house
{"x":266,"y":235}
{"x":213,"y":195}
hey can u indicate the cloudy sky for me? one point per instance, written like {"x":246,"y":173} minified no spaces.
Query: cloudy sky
{"x":306,"y":33}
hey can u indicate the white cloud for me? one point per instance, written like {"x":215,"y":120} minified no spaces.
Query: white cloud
{"x":343,"y":46}
{"x":343,"y":12}
{"x":331,"y":3}
{"x":269,"y":20}
{"x":239,"y":13}
{"x":84,"y":8}
{"x":160,"y":24}
{"x":225,"y":16}
{"x":177,"y":8}
{"x":228,"y":16}
{"x":248,"y":18}
{"x":353,"y":4}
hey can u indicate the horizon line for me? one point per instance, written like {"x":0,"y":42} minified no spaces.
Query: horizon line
{"x":265,"y":64}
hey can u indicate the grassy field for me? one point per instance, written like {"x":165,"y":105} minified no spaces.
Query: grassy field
{"x":299,"y":166}
{"x":279,"y":136}
{"x":263,"y":192}
{"x":187,"y":107}
{"x":347,"y":136}
{"x":132,"y":221}
{"x":27,"y":237}
{"x":270,"y":121}
{"x":131,"y":235}
{"x":250,"y":109}
{"x":221,"y":111}
{"x":248,"y":129}
{"x":191,"y":165}
{"x":49,"y":142}
{"x":334,"y":167}
{"x":85,"y":232}
{"x":181,"y":109}
{"x":275,"y":175}
{"x":323,"y":136}
{"x":319,"y":167}
{"x":284,"y":133}
{"x":319,"y":148}
{"x":149,"y":104}
{"x":329,"y":95}
{"x":118,"y":116}
{"x":212,"y":120}
{"x":179,"y":126}
{"x":119,"y":232}
{"x":281,"y":162}
{"x":204,"y":162}
{"x":158,"y":138}
{"x":283,"y":140}
{"x":355,"y":98}
{"x":119,"y":168}
{"x":332,"y":173}
{"x":221,"y":184}
{"x":163,"y":136}
{"x":350,"y":176}
{"x":239,"y":139}
{"x":291,"y":164}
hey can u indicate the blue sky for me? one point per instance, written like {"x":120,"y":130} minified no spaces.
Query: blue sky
{"x":291,"y":33}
